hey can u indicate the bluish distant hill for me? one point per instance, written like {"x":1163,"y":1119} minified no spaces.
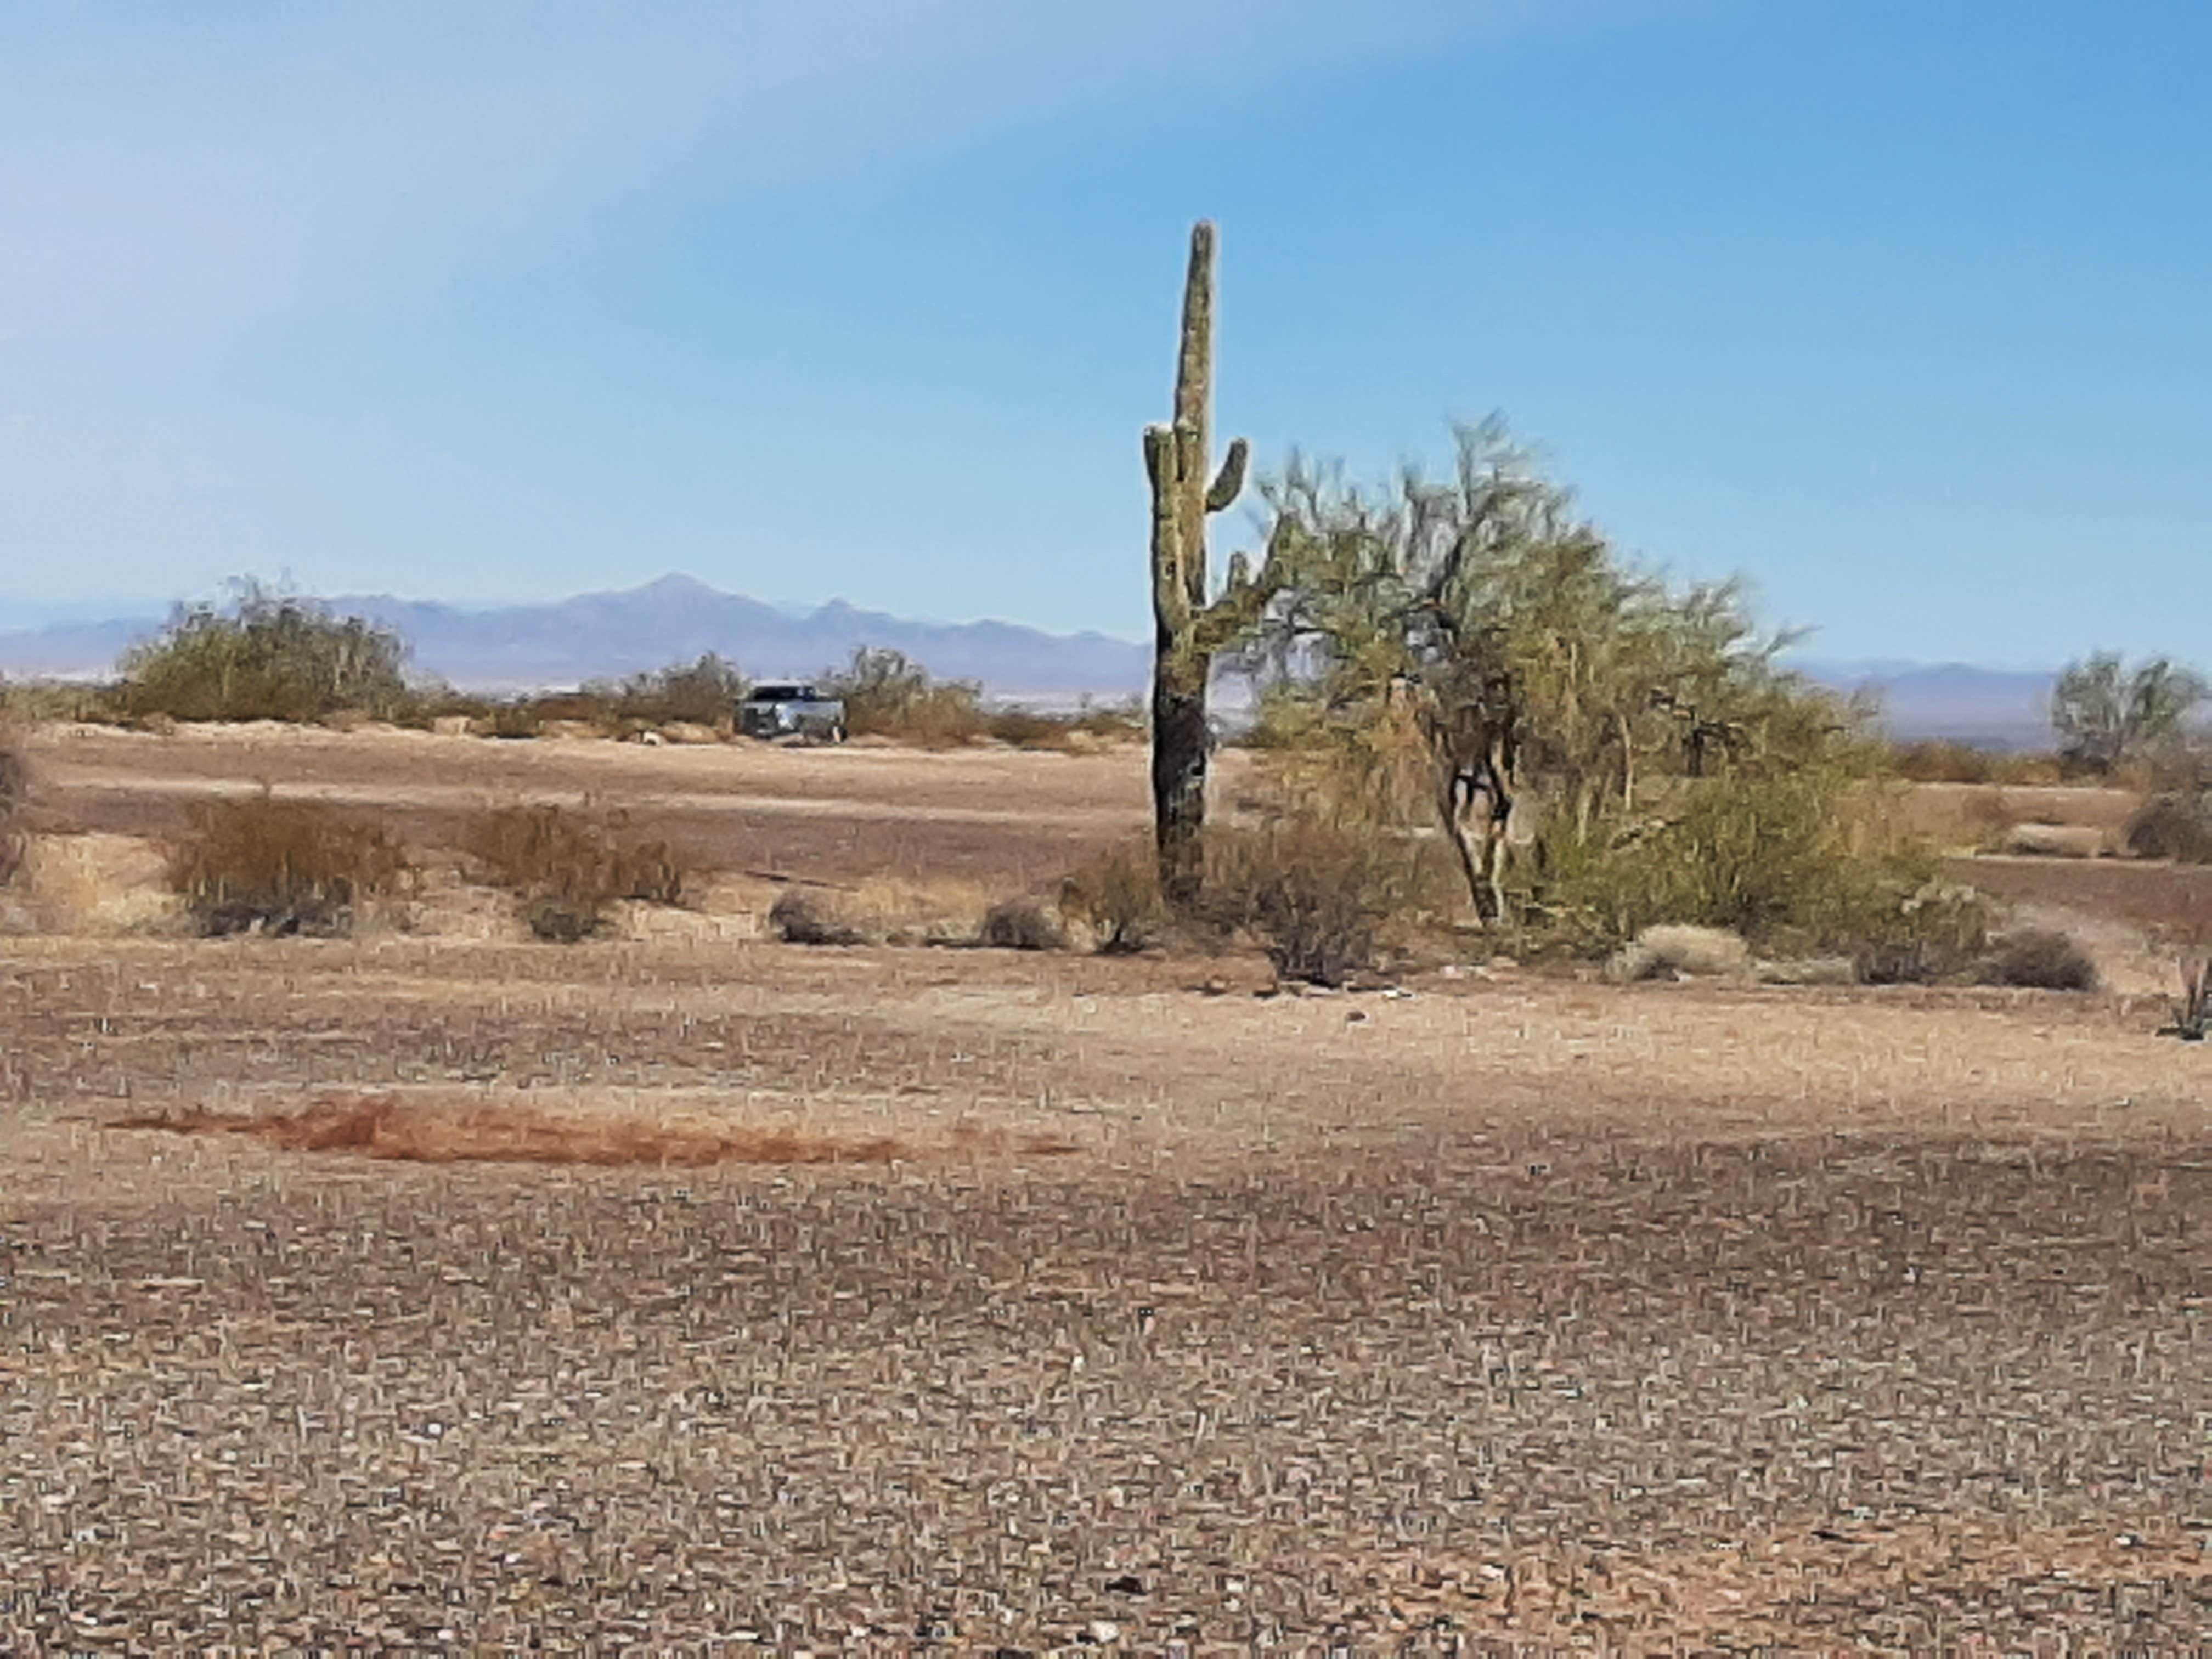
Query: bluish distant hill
{"x":510,"y":648}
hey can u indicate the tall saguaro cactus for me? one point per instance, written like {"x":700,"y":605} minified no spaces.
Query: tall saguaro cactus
{"x":1190,"y":629}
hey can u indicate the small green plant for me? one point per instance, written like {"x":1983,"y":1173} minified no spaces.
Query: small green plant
{"x":266,"y":866}
{"x":1117,"y":895}
{"x":570,"y":868}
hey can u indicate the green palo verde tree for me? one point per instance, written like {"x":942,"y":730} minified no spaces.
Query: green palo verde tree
{"x":1191,"y":630}
{"x":1471,"y":649}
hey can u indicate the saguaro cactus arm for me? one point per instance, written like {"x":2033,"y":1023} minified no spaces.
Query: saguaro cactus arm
{"x":1191,"y":629}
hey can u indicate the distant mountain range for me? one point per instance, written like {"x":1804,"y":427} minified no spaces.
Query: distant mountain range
{"x":593,"y":636}
{"x":525,"y":646}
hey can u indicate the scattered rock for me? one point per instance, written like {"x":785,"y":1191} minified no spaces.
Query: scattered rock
{"x":2058,"y":840}
{"x":1676,"y":950}
{"x":1807,"y":970}
{"x":689,"y":732}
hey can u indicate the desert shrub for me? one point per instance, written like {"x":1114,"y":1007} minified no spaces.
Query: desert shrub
{"x":704,"y":693}
{"x":1943,"y":761}
{"x":1026,"y":729}
{"x":1940,"y":761}
{"x":803,"y":916}
{"x":267,"y":656}
{"x":2174,"y":825}
{"x":1117,"y":895}
{"x":1112,"y":722}
{"x":1021,"y":925}
{"x":570,"y":867}
{"x":280,"y":866}
{"x":1087,"y":727}
{"x":1934,"y":931}
{"x":57,"y":700}
{"x":1316,"y":896}
{"x":886,"y":694}
{"x":15,"y":792}
{"x":1760,"y":857}
{"x":2040,"y":959}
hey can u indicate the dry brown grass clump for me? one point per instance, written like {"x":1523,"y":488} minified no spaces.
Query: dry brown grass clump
{"x":1117,"y":895}
{"x":267,"y":866}
{"x":1317,"y":897}
{"x":570,"y":868}
{"x":383,"y":1126}
{"x":1021,"y":925}
{"x":803,"y":916}
{"x":2040,"y":959}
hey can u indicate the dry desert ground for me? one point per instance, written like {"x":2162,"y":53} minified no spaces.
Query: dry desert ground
{"x":688,"y":1291}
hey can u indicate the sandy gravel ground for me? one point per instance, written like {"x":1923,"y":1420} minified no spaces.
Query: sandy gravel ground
{"x":1134,"y":1311}
{"x":1505,"y":1311}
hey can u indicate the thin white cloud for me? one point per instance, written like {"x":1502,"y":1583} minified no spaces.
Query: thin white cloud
{"x":213,"y":169}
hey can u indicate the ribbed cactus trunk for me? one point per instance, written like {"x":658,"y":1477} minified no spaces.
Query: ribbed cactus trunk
{"x":1189,"y":631}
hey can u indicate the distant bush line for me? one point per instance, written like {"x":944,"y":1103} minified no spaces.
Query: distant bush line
{"x":270,"y":656}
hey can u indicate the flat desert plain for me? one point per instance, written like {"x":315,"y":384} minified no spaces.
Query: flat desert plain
{"x":438,"y":1290}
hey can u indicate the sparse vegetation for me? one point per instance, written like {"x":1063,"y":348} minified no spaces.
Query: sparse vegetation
{"x":1318,"y":896}
{"x":1942,"y":761}
{"x":1117,"y":895}
{"x":266,"y":656}
{"x":568,"y":868}
{"x":888,"y":695}
{"x":2175,"y":821}
{"x":267,"y":866}
{"x":14,"y":790}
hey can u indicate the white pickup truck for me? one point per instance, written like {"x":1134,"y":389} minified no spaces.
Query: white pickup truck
{"x":791,"y":709}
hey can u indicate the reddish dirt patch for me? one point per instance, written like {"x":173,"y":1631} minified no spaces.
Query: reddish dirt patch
{"x":383,"y":1127}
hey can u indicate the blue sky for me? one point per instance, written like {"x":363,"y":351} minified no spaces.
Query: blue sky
{"x":1898,"y":309}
